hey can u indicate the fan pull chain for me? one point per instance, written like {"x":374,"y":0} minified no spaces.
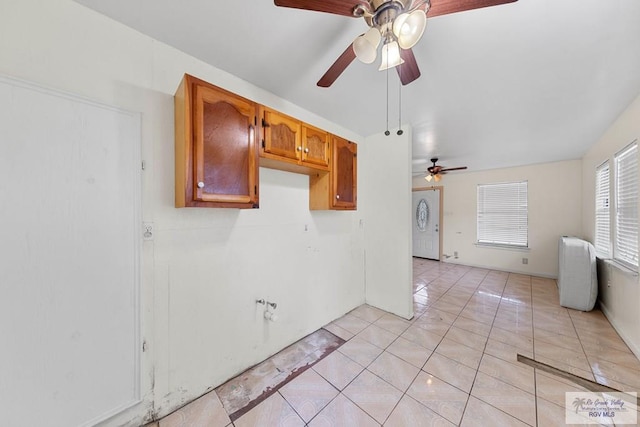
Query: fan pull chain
{"x":400,"y":132}
{"x":386,"y":132}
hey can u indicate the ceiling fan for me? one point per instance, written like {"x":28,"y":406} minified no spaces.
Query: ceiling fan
{"x":398,"y":24}
{"x":435,"y":171}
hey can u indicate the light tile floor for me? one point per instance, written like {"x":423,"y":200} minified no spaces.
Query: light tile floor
{"x":453,"y":364}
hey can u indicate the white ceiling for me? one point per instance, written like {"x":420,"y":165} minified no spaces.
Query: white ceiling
{"x":527,"y":82}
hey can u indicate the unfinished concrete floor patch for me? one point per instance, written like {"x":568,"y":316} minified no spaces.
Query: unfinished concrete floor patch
{"x":247,"y":390}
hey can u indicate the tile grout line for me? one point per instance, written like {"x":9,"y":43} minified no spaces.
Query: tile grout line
{"x":475,"y":376}
{"x":404,"y":393}
{"x":581,"y":345}
{"x":485,"y":345}
{"x":364,"y":368}
{"x":439,"y":342}
{"x":504,"y":288}
{"x":483,"y":353}
{"x":448,"y":329}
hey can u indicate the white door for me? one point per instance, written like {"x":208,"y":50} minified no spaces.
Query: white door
{"x":426,"y":224}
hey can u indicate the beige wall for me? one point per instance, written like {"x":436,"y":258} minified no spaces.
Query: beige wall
{"x":619,"y":290}
{"x":555,"y":201}
{"x":561,"y":202}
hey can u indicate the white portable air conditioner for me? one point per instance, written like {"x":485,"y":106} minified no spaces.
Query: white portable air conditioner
{"x":577,"y":275}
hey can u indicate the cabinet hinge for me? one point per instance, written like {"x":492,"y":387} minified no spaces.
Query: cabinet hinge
{"x":255,"y":189}
{"x":143,"y":165}
{"x":255,"y":120}
{"x":264,"y":124}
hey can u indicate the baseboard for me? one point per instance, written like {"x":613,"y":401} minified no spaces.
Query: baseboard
{"x":635,"y":349}
{"x":529,"y":273}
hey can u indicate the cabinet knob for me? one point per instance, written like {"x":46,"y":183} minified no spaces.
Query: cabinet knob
{"x":299,"y":148}
{"x":306,"y":150}
{"x":200,"y":184}
{"x":337,"y":196}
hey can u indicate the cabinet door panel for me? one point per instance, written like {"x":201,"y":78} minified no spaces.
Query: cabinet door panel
{"x":315,"y":146}
{"x":225,"y":145}
{"x":344,"y":174}
{"x":282,"y":136}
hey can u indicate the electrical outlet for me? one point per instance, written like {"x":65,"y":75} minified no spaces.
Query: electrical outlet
{"x":147,"y":231}
{"x":525,"y":261}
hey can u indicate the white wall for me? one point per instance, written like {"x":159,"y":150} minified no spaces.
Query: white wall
{"x":205,"y":268}
{"x":69,"y":265}
{"x":619,"y":291}
{"x":555,"y":203}
{"x":386,"y":205}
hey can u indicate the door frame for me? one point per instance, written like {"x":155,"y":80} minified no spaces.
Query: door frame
{"x":441,"y":225}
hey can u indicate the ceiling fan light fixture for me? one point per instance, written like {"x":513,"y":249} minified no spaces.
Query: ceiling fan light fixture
{"x":428,"y":177}
{"x":390,"y":56}
{"x":409,"y":28}
{"x":365,"y":46}
{"x":381,"y":14}
{"x":364,"y":50}
{"x":373,"y":36}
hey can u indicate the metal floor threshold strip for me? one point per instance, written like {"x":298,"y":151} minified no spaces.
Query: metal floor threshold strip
{"x":583,"y":382}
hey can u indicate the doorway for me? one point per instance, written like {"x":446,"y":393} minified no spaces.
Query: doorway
{"x":427,"y":221}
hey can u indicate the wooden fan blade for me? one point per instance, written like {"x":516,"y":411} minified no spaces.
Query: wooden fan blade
{"x":408,"y":71}
{"x":338,"y":67}
{"x":444,"y":7}
{"x":453,"y":169}
{"x":337,"y":7}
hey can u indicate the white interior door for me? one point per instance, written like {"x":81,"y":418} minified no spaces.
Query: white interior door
{"x":426,"y":224}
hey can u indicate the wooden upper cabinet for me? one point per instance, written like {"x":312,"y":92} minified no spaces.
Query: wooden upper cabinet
{"x":316,"y":146}
{"x":345,"y":174}
{"x":336,"y":189}
{"x":291,"y":145}
{"x":216,"y":150}
{"x":221,"y":139}
{"x":282,"y":136}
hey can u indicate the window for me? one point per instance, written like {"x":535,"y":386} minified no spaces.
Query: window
{"x":502,"y":214}
{"x":626,"y":198}
{"x":603,"y":222}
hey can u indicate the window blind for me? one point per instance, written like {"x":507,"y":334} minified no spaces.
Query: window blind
{"x":603,"y":222}
{"x":626,"y":241}
{"x":503,"y":214}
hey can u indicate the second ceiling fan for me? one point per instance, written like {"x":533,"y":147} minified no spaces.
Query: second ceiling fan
{"x":397,"y":24}
{"x":436,"y":171}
